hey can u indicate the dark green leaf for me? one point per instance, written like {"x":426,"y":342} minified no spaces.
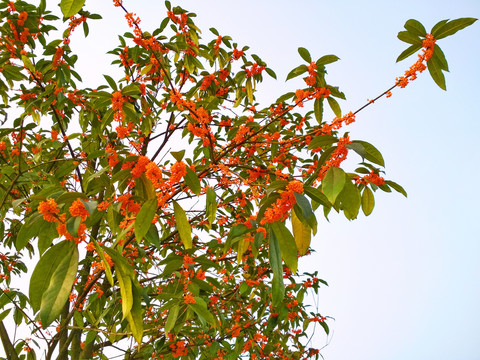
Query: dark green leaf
{"x":415,"y":27}
{"x":111,"y":82}
{"x":334,"y":106}
{"x":367,"y":151}
{"x":297,"y":71}
{"x":275,"y":257}
{"x":435,"y":70}
{"x":318,"y":110}
{"x":407,"y":37}
{"x":409,"y":51}
{"x":439,"y":58}
{"x":396,"y":187}
{"x":305,"y":54}
{"x":451,"y":27}
{"x":322,"y":141}
{"x":327,"y":59}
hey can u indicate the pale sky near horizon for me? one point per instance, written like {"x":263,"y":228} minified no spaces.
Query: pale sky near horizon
{"x":404,"y":282}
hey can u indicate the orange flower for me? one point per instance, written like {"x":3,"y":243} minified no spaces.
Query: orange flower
{"x":78,"y":209}
{"x":177,"y":172}
{"x":49,"y":209}
{"x":117,"y":100}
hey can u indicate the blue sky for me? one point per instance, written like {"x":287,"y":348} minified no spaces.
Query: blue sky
{"x":404,"y":282}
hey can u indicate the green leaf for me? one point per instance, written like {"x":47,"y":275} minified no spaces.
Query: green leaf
{"x":307,"y":211}
{"x":178,"y":155}
{"x":439,"y":57}
{"x":334,"y":106}
{"x":249,"y":90}
{"x":350,"y":200}
{"x":333,"y":183}
{"x":71,"y":7}
{"x":125,"y":274}
{"x":435,"y":70}
{"x":211,"y":208}
{"x":56,"y":295}
{"x":316,"y":195}
{"x":318,"y":110}
{"x":275,"y":257}
{"x":44,"y":270}
{"x":407,"y":37}
{"x":144,"y":218}
{"x":111,"y":82}
{"x":28,"y":231}
{"x":409,"y":51}
{"x":200,"y":308}
{"x":438,"y":26}
{"x":396,"y":187}
{"x":327,"y":59}
{"x":302,"y":234}
{"x":299,"y":70}
{"x":192,"y":181}
{"x":271,"y":73}
{"x":288,"y":247}
{"x":305,"y":54}
{"x":368,"y":201}
{"x":451,"y":27}
{"x":182,"y":225}
{"x":367,"y":151}
{"x":135,"y":317}
{"x":415,"y":27}
{"x":171,"y":318}
{"x":322,"y":141}
{"x":106,"y":265}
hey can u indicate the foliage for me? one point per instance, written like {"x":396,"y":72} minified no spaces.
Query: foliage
{"x":192,"y":253}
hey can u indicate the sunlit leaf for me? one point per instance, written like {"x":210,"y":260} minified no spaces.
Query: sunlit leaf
{"x":71,"y":7}
{"x":182,"y":225}
{"x":302,"y":235}
{"x":286,"y":241}
{"x":333,"y":182}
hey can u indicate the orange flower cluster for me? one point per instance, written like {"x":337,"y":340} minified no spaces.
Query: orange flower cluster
{"x":427,"y":52}
{"x":337,"y":123}
{"x":312,"y":74}
{"x":303,"y":95}
{"x":338,"y":156}
{"x":112,"y":157}
{"x":49,"y":209}
{"x":181,"y":21}
{"x":281,"y":209}
{"x":237,"y":54}
{"x":78,"y":209}
{"x":255,"y":69}
{"x":217,"y":44}
{"x":373,"y":178}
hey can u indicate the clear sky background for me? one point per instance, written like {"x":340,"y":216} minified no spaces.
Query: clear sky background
{"x":404,"y":282}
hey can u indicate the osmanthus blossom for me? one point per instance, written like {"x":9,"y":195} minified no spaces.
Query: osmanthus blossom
{"x":177,"y":215}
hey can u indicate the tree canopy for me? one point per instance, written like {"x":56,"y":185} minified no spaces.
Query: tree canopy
{"x":168,"y":208}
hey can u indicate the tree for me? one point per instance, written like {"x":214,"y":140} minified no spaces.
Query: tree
{"x":167,"y":254}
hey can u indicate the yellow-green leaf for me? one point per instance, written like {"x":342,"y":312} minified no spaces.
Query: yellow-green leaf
{"x":302,"y":234}
{"x":368,"y":201}
{"x":182,"y":225}
{"x":71,"y":7}
{"x":288,"y":247}
{"x":144,"y":218}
